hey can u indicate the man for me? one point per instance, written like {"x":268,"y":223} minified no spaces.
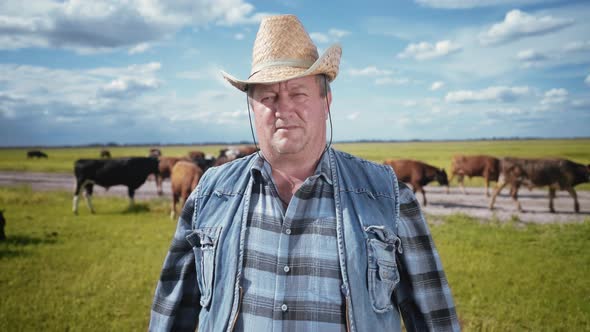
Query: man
{"x":300,"y":237}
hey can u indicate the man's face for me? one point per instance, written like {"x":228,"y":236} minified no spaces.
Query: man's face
{"x":290,"y":116}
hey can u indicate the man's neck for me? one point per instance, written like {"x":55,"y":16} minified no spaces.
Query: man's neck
{"x":290,"y":171}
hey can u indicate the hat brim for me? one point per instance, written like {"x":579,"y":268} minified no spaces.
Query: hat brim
{"x":328,"y":64}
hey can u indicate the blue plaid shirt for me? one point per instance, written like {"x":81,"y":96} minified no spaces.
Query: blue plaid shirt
{"x":291,"y":271}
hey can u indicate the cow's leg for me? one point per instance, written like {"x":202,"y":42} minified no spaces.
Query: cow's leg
{"x":460,"y":179}
{"x":499,"y":186}
{"x":572,"y":192}
{"x":551,"y":197}
{"x":76,"y":196}
{"x":173,"y":206}
{"x":487,"y":184}
{"x":88,"y":186}
{"x":514,"y":194}
{"x":131,"y":193}
{"x":450,"y":180}
{"x":159,"y":181}
{"x":421,"y":189}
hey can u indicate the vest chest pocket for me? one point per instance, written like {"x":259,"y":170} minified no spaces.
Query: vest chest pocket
{"x":382,"y":272}
{"x":204,"y":243}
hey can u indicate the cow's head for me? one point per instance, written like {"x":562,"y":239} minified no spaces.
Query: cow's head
{"x":441,"y":177}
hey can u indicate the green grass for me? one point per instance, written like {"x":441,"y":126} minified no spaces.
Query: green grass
{"x":61,"y":272}
{"x":435,"y":153}
{"x":513,"y":277}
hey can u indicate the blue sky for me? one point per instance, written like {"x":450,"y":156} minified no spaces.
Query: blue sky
{"x":145,"y":71}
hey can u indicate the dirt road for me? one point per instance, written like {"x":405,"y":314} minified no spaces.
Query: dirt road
{"x":535,"y":203}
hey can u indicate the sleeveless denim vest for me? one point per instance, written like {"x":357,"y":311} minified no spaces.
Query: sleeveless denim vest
{"x":367,"y":212}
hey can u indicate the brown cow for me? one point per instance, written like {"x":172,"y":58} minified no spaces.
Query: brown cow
{"x":559,"y":174}
{"x":184,"y":179}
{"x":165,"y":169}
{"x":234,"y":152}
{"x":418,"y":174}
{"x":194,"y":155}
{"x":486,"y":166}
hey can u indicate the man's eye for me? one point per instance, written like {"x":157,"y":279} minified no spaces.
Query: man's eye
{"x":299,"y":95}
{"x":267,"y":99}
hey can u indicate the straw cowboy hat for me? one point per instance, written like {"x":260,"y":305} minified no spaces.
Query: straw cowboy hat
{"x":282,"y":51}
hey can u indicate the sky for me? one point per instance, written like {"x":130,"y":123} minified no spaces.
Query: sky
{"x":148,"y":71}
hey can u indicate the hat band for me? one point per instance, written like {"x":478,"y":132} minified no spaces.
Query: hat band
{"x":281,"y":63}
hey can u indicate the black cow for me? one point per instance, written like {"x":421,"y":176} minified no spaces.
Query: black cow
{"x":104,"y":153}
{"x":131,"y":172}
{"x":36,"y":154}
{"x":2,"y":224}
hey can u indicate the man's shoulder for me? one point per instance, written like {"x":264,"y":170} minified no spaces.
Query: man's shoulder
{"x":225,"y":177}
{"x":359,"y":161}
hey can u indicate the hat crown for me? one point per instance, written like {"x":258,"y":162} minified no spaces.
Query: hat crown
{"x":282,"y":40}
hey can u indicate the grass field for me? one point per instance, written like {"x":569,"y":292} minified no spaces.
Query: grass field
{"x":97,"y":272}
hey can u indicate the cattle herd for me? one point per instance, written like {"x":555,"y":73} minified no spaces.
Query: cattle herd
{"x":185,"y":172}
{"x":556,"y":174}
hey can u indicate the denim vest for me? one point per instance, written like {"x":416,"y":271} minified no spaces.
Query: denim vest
{"x":367,"y":203}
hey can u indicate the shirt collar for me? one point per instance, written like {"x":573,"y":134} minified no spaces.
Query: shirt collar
{"x":262,"y":167}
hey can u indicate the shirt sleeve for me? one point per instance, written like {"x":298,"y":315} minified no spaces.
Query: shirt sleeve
{"x":423,"y":294}
{"x":176,"y":303}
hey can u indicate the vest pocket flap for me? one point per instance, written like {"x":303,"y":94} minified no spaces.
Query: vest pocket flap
{"x":382,"y":272}
{"x":204,"y":242}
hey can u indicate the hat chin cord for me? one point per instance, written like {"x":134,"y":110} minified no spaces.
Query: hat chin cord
{"x":329,"y":117}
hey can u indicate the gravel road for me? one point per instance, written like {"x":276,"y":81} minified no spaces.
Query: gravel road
{"x":535,"y":203}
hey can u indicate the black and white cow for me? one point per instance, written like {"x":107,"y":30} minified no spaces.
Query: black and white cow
{"x":131,"y":172}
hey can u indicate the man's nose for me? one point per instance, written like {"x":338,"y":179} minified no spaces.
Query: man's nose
{"x":284,"y":104}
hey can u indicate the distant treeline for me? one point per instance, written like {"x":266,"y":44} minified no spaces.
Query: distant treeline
{"x":114,"y":144}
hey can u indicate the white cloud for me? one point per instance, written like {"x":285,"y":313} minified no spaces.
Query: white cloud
{"x":532,"y":58}
{"x":437,"y":85}
{"x":578,"y":46}
{"x":518,"y":24}
{"x":391,"y":80}
{"x":337,"y":33}
{"x":587,"y":80}
{"x":332,"y":36}
{"x":555,"y":96}
{"x":104,"y":25}
{"x":320,"y":38}
{"x":583,"y":104}
{"x":353,"y":116}
{"x":466,"y":4}
{"x":369,"y":71}
{"x":424,"y":50}
{"x":239,"y":36}
{"x":530,"y":55}
{"x":191,"y":75}
{"x":491,"y":94}
{"x":127,"y":87}
{"x":139,"y":48}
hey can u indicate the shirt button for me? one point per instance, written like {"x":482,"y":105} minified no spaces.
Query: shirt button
{"x":284,"y":307}
{"x":288,"y":231}
{"x":286,"y":269}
